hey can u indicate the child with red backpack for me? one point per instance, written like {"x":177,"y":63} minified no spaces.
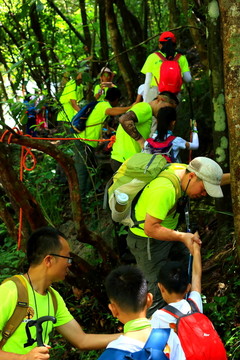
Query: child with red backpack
{"x":197,"y":335}
{"x":166,"y":69}
{"x":164,"y":142}
{"x":129,"y":299}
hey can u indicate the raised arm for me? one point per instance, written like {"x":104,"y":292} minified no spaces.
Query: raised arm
{"x":128,"y":122}
{"x":74,"y":104}
{"x":154,"y":229}
{"x":225,"y":179}
{"x":194,"y":144}
{"x":117,"y":110}
{"x":73,"y":333}
{"x":187,"y":77}
{"x":147,"y":83}
{"x":197,"y":268}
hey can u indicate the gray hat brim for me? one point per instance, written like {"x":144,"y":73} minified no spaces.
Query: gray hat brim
{"x":214,"y":191}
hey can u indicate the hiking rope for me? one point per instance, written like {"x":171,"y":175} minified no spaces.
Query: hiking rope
{"x":26,"y":152}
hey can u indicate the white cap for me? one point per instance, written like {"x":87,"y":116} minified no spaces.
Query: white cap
{"x":105,"y":69}
{"x":210,"y":173}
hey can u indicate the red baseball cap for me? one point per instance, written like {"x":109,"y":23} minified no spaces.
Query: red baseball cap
{"x":165,"y":36}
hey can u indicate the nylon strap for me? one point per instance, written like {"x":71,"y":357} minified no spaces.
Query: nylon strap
{"x":176,"y":183}
{"x":20,"y":311}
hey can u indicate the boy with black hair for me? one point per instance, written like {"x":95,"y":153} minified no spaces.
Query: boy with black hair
{"x":198,"y":337}
{"x":129,"y":298}
{"x":173,"y":283}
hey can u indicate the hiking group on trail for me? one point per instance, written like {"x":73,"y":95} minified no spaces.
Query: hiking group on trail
{"x":158,"y":297}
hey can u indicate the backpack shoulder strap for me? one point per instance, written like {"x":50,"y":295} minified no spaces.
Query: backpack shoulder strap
{"x":54,"y":299}
{"x":177,"y":57}
{"x":193,"y":305}
{"x":116,"y":354}
{"x":160,"y":55}
{"x":20,"y":311}
{"x":172,"y":311}
{"x":158,"y":339}
{"x":176,"y":183}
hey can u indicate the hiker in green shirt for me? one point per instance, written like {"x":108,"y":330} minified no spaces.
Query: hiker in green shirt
{"x":84,"y":149}
{"x":135,"y":127}
{"x":106,"y":78}
{"x":48,"y":255}
{"x":70,"y":98}
{"x":157,"y":239}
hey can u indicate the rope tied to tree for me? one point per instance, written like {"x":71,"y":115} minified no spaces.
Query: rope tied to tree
{"x":26,"y":153}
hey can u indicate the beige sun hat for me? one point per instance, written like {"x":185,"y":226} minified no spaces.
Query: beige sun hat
{"x":210,"y":173}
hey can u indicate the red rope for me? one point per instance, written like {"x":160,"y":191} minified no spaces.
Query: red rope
{"x":26,"y":152}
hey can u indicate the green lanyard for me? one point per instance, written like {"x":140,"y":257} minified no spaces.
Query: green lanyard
{"x":137,"y":324}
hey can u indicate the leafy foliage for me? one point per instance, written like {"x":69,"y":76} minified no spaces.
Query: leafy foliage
{"x":12,"y":261}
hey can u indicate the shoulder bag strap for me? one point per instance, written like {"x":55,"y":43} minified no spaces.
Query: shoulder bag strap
{"x":54,"y":300}
{"x":20,"y":311}
{"x":172,"y":311}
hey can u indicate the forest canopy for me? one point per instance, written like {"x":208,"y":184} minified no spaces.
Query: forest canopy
{"x":44,"y":45}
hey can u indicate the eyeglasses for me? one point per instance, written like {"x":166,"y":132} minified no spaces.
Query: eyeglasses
{"x":70,"y":259}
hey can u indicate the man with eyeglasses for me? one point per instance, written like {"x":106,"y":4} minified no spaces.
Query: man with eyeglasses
{"x":48,"y":255}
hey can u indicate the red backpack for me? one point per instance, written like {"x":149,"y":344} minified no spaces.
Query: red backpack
{"x":163,"y":147}
{"x":197,"y":335}
{"x":170,"y":74}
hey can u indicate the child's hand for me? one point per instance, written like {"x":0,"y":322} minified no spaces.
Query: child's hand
{"x":196,"y":246}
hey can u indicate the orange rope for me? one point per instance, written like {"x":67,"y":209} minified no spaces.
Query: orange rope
{"x":26,"y":151}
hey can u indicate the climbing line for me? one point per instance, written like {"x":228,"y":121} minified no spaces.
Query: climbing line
{"x":26,"y":152}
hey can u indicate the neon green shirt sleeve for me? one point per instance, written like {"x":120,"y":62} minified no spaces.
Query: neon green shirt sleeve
{"x":94,"y":124}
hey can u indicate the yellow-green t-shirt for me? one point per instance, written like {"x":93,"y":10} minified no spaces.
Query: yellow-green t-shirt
{"x":94,"y":124}
{"x":43,"y":307}
{"x":125,"y":146}
{"x":72,"y":91}
{"x":157,"y":199}
{"x":98,"y":88}
{"x":153,"y":64}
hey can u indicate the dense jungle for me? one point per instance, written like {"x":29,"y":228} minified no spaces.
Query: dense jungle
{"x":44,"y":43}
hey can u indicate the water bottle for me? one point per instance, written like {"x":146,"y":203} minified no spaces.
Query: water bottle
{"x":121,"y":201}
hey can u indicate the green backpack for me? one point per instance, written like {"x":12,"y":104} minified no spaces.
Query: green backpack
{"x":132,"y":176}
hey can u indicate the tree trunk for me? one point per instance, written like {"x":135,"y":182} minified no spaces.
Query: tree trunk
{"x":133,"y":31}
{"x":174,"y":14}
{"x":29,"y":205}
{"x":220,"y":129}
{"x":85,"y":25}
{"x":78,"y":35}
{"x":103,"y":30}
{"x":195,"y":33}
{"x":118,"y":47}
{"x":18,"y":192}
{"x":230,"y":18}
{"x":7,"y":217}
{"x":145,"y":9}
{"x":36,"y":26}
